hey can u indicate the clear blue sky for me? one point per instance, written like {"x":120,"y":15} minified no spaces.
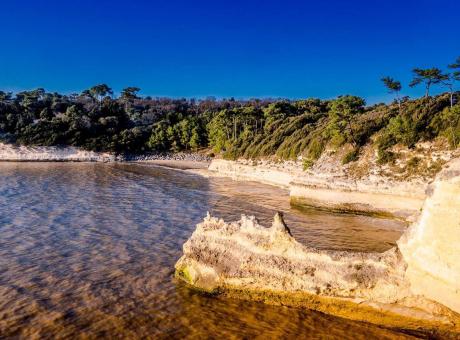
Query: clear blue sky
{"x":234,"y":48}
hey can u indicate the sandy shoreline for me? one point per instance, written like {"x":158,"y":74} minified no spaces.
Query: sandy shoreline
{"x":326,"y":186}
{"x":21,"y":153}
{"x":189,"y":165}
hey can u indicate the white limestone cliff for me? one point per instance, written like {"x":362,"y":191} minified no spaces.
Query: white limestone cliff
{"x":413,"y":285}
{"x":364,"y":186}
{"x":431,"y":247}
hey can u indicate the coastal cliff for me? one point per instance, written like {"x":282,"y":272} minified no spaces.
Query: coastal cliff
{"x":363,"y":187}
{"x":414,"y":285}
{"x":431,"y":247}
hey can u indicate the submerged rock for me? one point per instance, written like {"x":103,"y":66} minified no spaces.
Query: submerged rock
{"x":413,"y":285}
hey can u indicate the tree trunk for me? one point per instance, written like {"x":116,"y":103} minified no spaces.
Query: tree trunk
{"x":352,"y":133}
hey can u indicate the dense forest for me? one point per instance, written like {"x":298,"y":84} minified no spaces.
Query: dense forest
{"x":129,"y":124}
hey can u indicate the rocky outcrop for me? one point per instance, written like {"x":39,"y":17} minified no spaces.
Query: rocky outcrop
{"x":416,"y":284}
{"x":431,"y":247}
{"x":365,"y":187}
{"x":374,"y":195}
{"x":15,"y":153}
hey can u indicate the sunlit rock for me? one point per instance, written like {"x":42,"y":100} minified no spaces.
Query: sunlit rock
{"x":431,"y":247}
{"x":416,"y":284}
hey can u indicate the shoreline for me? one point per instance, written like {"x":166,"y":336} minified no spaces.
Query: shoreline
{"x":414,"y":285}
{"x":327,"y":188}
{"x":189,"y":166}
{"x":381,"y":299}
{"x":20,"y":153}
{"x":333,"y":191}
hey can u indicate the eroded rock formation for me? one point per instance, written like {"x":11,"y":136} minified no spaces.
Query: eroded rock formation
{"x":416,"y":284}
{"x":364,"y":186}
{"x":431,"y":247}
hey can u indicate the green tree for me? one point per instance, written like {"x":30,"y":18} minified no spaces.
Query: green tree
{"x":46,"y":114}
{"x":100,"y":91}
{"x":456,"y":68}
{"x":393,"y":86}
{"x":343,"y":112}
{"x":128,"y":95}
{"x":220,"y":130}
{"x":278,"y":111}
{"x":4,"y":96}
{"x":429,"y":76}
{"x":158,"y":140}
{"x":88,"y":94}
{"x":451,"y":78}
{"x":195,"y":139}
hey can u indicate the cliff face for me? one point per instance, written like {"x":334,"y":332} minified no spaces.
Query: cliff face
{"x":431,"y":247}
{"x":364,"y":186}
{"x":373,"y":195}
{"x":418,"y":280}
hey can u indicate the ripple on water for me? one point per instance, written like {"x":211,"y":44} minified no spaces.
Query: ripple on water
{"x":89,"y":249}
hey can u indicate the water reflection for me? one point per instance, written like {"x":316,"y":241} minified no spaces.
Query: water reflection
{"x":89,"y":250}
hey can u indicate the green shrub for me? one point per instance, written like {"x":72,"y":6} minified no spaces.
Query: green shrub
{"x":447,"y":124}
{"x":385,"y":156}
{"x":351,"y":156}
{"x":315,"y":148}
{"x":307,"y":164}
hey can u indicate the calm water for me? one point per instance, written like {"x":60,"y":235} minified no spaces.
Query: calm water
{"x":88,"y":250}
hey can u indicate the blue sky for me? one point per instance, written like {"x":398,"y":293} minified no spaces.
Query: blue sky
{"x":292,"y":49}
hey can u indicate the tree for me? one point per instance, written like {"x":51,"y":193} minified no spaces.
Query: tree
{"x":158,"y":140}
{"x":456,"y":66}
{"x":451,"y":78}
{"x":100,"y":91}
{"x":5,"y":96}
{"x":46,"y":114}
{"x":343,"y":113}
{"x":88,"y":94}
{"x":129,"y":94}
{"x":429,"y":76}
{"x":393,"y":86}
{"x":220,"y":129}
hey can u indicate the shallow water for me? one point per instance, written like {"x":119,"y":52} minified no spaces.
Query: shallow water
{"x":88,"y":250}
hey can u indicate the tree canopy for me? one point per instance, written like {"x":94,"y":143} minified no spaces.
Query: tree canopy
{"x":429,"y":77}
{"x":282,"y":128}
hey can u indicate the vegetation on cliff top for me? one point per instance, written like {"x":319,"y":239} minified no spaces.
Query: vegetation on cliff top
{"x":286,"y":129}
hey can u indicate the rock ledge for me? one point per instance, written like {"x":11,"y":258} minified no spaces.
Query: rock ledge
{"x":413,"y":285}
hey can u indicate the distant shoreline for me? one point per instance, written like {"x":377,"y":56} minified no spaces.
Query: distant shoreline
{"x":20,"y":153}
